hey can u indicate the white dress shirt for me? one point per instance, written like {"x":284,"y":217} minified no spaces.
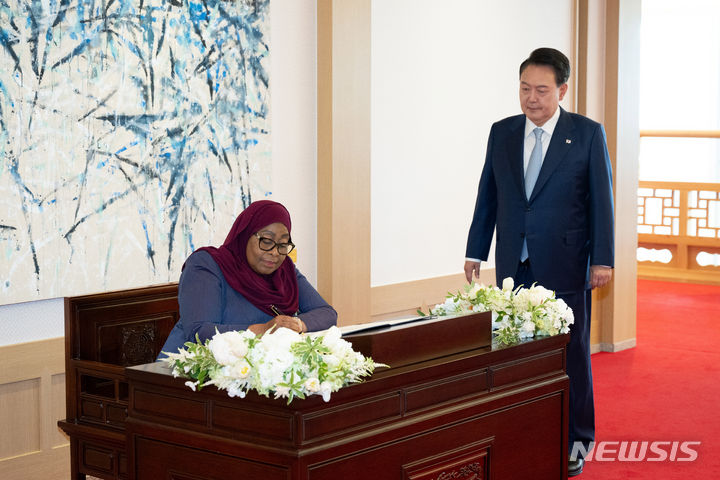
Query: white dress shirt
{"x":548,"y":128}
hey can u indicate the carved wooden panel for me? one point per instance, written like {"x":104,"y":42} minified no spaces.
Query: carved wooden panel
{"x":474,"y":468}
{"x":679,"y":231}
{"x":121,"y":328}
{"x":469,"y":463}
{"x":704,"y":213}
{"x":133,"y":341}
{"x":659,"y":211}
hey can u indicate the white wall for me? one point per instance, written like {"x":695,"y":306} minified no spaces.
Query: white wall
{"x":293,"y":80}
{"x":294,"y":125}
{"x":25,"y":322}
{"x":442,"y":73}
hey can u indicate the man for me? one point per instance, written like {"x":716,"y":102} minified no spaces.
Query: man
{"x":547,"y":188}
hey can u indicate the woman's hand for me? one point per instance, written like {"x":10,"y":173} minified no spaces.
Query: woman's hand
{"x":293,"y":323}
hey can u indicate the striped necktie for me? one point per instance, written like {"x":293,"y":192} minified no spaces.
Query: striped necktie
{"x":531,"y":175}
{"x":533,"y":168}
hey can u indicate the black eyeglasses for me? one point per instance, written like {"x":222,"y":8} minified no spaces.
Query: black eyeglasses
{"x":267,"y":244}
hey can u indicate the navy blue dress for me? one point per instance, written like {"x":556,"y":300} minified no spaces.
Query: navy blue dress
{"x":208,"y":302}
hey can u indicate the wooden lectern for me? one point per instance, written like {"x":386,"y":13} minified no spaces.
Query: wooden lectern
{"x":451,"y":406}
{"x":104,"y":333}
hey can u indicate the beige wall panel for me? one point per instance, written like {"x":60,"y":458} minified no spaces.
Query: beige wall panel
{"x":32,"y":400}
{"x":20,"y":418}
{"x":595,"y":323}
{"x":57,"y":408}
{"x":622,"y":47}
{"x":28,"y":360}
{"x":344,"y":157}
{"x":608,"y":92}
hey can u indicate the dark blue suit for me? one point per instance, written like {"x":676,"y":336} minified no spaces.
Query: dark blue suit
{"x":568,"y":224}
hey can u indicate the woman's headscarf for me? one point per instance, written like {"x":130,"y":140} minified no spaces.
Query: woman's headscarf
{"x":280,"y":288}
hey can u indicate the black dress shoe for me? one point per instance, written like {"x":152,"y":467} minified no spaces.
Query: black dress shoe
{"x":575,"y":466}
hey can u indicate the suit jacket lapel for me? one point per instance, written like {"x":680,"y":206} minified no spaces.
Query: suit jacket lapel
{"x":515,"y":147}
{"x":560,"y":144}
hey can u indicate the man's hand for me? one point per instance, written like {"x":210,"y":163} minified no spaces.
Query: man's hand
{"x":600,"y":275}
{"x":472,"y":269}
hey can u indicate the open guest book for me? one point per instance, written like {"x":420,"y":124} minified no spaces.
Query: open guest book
{"x":398,"y":342}
{"x":380,"y":324}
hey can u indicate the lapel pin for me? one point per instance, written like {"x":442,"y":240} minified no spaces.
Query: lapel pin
{"x":567,"y":140}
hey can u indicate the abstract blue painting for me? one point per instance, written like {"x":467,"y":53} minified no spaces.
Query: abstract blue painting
{"x":131,"y":133}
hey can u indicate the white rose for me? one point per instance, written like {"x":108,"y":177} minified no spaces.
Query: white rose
{"x":540,"y":294}
{"x":280,"y":339}
{"x":331,"y":337}
{"x":337,"y":346}
{"x":239,"y":369}
{"x":508,"y":284}
{"x":228,"y":347}
{"x":527,"y":329}
{"x":331,"y":360}
{"x":312,"y":385}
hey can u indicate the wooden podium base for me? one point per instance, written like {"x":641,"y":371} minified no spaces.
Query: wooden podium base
{"x":451,"y":406}
{"x":489,"y":412}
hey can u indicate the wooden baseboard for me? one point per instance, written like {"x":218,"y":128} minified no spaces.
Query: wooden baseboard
{"x":668,"y":274}
{"x":613,"y":347}
{"x":32,"y":394}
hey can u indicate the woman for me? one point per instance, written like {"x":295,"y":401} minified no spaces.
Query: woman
{"x":248,"y":283}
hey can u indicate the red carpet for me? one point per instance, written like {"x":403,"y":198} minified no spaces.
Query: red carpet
{"x":666,"y":389}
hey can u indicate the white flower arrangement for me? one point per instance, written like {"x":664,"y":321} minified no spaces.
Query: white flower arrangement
{"x":282,"y":362}
{"x":517,"y":313}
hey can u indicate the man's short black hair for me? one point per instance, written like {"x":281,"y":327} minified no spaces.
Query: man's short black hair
{"x":552,"y":58}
